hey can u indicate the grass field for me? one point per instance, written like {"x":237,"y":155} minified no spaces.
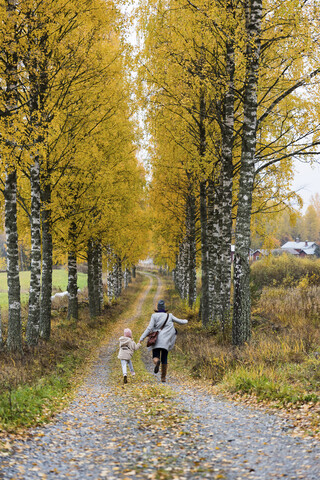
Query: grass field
{"x":60,"y":282}
{"x":40,"y":381}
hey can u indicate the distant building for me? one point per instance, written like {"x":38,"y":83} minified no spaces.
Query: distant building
{"x":302,"y":249}
{"x":297,"y":248}
{"x":147,"y":263}
{"x":258,"y":254}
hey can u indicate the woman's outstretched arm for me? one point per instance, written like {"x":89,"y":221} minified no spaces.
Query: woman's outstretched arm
{"x":178,"y":320}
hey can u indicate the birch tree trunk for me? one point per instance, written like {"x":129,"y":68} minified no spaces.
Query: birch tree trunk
{"x":33,"y":325}
{"x":95,"y":283}
{"x":72,"y":286}
{"x":182,"y":270}
{"x":118,"y":277}
{"x":36,"y":66}
{"x":191,"y":242}
{"x":214,"y":247}
{"x":95,"y":278}
{"x":204,"y":255}
{"x":126,"y":278}
{"x":184,"y":260}
{"x":203,"y":216}
{"x":241,"y":328}
{"x":227,"y":186}
{"x":110,"y":285}
{"x":129,"y":275}
{"x":175,"y":273}
{"x":46,"y":279}
{"x":91,"y":279}
{"x":72,"y":275}
{"x":99,"y":292}
{"x":14,"y":339}
{"x":185,"y":271}
{"x":111,"y":275}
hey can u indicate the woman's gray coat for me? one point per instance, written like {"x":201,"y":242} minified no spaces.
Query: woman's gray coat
{"x":167,"y":337}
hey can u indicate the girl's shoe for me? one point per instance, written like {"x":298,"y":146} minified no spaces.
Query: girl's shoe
{"x":133,"y":374}
{"x":125,"y":380}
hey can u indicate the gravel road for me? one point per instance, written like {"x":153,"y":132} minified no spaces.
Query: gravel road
{"x":99,"y":437}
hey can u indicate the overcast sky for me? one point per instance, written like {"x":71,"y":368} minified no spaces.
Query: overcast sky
{"x":307,"y":181}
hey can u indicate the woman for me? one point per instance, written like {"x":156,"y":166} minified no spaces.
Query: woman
{"x":162,"y":322}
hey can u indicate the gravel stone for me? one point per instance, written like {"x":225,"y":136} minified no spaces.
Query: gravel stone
{"x":97,"y":437}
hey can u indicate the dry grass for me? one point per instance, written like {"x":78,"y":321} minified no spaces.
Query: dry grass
{"x":290,"y":307}
{"x":282,"y":361}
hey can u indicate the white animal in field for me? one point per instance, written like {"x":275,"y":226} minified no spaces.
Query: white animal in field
{"x":59,"y":294}
{"x":62,"y":294}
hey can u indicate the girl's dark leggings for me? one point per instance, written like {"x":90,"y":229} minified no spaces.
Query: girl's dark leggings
{"x":161,"y":353}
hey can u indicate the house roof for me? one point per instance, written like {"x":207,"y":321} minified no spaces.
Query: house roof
{"x":308,"y":251}
{"x":298,"y":245}
{"x":260,"y":250}
{"x":292,"y":251}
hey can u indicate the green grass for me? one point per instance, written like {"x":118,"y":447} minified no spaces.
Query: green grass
{"x":35,"y":385}
{"x":59,"y":283}
{"x":268,"y":385}
{"x":34,"y":404}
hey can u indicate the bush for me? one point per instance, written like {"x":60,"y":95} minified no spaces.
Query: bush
{"x":297,"y":307}
{"x":286,"y":270}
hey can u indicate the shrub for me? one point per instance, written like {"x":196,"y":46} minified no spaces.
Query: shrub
{"x":285,"y":270}
{"x":289,"y":306}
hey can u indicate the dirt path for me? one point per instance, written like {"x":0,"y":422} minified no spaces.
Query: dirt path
{"x":177,"y":433}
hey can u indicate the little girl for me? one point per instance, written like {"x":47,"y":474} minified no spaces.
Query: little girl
{"x":127,"y":348}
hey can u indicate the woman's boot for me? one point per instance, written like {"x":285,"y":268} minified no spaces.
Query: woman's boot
{"x":156,"y":361}
{"x":163,"y":372}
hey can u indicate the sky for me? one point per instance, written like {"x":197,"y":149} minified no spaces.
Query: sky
{"x":307,"y":181}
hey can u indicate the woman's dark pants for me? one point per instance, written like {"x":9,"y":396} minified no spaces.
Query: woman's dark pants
{"x":161,"y":353}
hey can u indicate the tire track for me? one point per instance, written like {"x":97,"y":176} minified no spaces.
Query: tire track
{"x":99,"y":436}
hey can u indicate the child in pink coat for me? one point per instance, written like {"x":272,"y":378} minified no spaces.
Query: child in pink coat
{"x":126,"y":351}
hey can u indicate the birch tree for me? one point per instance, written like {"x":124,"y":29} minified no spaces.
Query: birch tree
{"x":197,"y":69}
{"x":242,"y":305}
{"x":9,"y":140}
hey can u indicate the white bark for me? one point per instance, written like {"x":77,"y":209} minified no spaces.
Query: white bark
{"x":241,"y":328}
{"x":46,"y":280}
{"x":214,"y":248}
{"x":14,"y":338}
{"x":33,"y":325}
{"x":72,"y":287}
{"x":227,"y":186}
{"x":91,"y":279}
{"x":100,"y":278}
